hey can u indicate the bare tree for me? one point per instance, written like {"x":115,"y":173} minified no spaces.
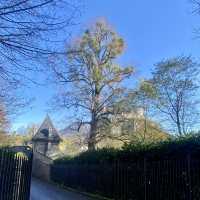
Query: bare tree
{"x":32,"y":129}
{"x":3,"y":118}
{"x":91,"y":81}
{"x":196,"y":4}
{"x":196,"y":10}
{"x":175,"y":82}
{"x":30,"y":31}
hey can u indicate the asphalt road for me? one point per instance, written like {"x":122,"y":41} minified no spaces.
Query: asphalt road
{"x":45,"y":191}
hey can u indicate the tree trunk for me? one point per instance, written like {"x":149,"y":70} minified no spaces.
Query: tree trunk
{"x":92,"y":139}
{"x":179,"y":129}
{"x":93,"y":133}
{"x":94,"y":120}
{"x":91,"y":145}
{"x":179,"y":125}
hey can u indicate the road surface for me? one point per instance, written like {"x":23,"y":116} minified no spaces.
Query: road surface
{"x":45,"y":191}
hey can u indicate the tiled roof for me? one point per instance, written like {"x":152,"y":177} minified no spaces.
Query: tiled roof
{"x":47,"y":132}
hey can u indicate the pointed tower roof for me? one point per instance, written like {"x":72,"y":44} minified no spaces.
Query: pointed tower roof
{"x":47,"y":132}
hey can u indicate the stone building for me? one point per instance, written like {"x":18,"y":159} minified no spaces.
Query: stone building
{"x":46,"y":140}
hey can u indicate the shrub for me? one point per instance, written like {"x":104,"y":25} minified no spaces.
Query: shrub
{"x":171,"y":148}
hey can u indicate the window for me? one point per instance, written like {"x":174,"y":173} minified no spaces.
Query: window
{"x":45,"y":132}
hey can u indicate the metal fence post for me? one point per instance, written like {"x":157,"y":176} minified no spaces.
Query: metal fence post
{"x":145,"y":180}
{"x":15,"y":174}
{"x":189,"y":176}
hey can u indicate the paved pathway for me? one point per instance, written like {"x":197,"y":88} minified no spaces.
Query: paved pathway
{"x":45,"y":191}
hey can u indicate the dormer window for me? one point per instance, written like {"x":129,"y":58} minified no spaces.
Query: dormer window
{"x":45,"y":132}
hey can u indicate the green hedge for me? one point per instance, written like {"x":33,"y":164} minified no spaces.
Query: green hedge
{"x":175,"y":147}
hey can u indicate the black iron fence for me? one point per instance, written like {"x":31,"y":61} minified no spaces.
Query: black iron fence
{"x":167,"y":179}
{"x":15,"y":173}
{"x":176,"y":179}
{"x":89,"y":178}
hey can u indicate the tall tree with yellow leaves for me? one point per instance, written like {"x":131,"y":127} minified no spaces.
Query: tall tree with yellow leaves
{"x":91,"y":80}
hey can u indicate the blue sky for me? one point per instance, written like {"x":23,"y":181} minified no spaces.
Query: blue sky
{"x":152,"y":30}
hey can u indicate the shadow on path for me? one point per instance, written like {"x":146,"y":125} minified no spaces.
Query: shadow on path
{"x":46,"y":191}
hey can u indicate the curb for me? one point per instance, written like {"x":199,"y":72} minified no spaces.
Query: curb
{"x":95,"y":196}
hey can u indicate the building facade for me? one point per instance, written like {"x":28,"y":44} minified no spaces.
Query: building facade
{"x":46,"y":140}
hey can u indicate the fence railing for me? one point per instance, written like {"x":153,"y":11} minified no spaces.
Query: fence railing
{"x":15,"y":173}
{"x":156,"y":180}
{"x":89,"y":178}
{"x":168,"y":179}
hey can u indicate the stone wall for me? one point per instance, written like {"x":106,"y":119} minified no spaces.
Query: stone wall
{"x":40,"y":147}
{"x":41,"y":166}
